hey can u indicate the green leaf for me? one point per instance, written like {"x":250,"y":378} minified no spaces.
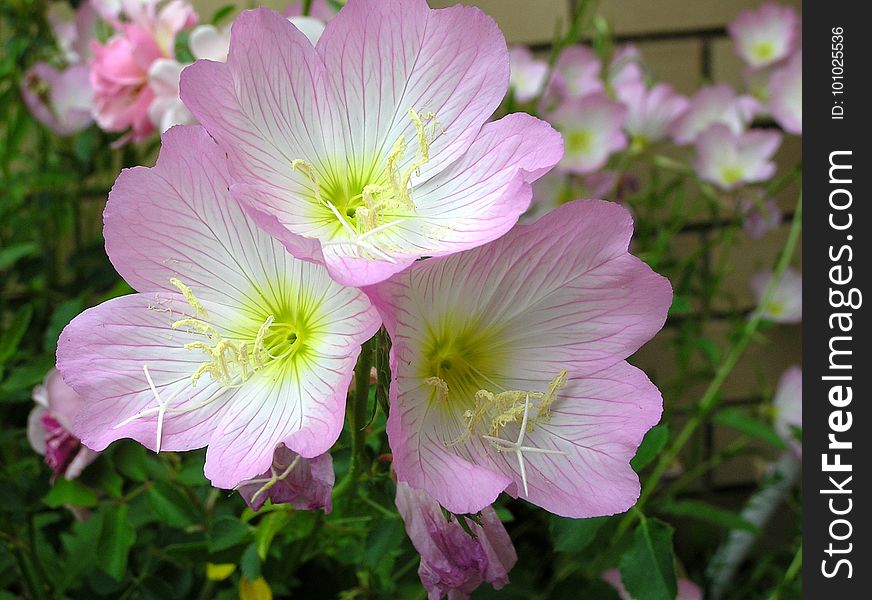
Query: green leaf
{"x":696,"y":509}
{"x":382,"y":539}
{"x":171,"y":505}
{"x":130,"y":460}
{"x":574,"y":535}
{"x":60,"y":318}
{"x":116,"y":538}
{"x":647,"y":567}
{"x":654,"y":442}
{"x":741,"y":421}
{"x":11,"y":255}
{"x":227,"y":532}
{"x":250,"y":562}
{"x":66,"y":492}
{"x":222,"y":13}
{"x":24,"y":378}
{"x":12,"y":336}
{"x":267,"y":529}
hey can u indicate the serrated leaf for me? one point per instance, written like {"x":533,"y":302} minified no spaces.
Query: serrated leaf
{"x":653,"y":443}
{"x":696,"y":509}
{"x":741,"y":421}
{"x":648,"y":567}
{"x":574,"y":535}
{"x":116,"y":538}
{"x":66,"y":492}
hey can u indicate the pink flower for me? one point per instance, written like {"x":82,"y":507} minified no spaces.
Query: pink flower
{"x":167,"y":109}
{"x":728,"y":160}
{"x":50,"y":424}
{"x":766,"y":35}
{"x":786,"y":95}
{"x":625,"y":68}
{"x":714,"y":104}
{"x":364,"y":163}
{"x":687,"y":590}
{"x":453,"y":563}
{"x":651,"y":112}
{"x":591,"y":129}
{"x":785,"y":304}
{"x":120,"y":68}
{"x":60,"y":100}
{"x":509,"y":370}
{"x":230,"y":343}
{"x":788,"y":407}
{"x":576,"y":74}
{"x":304,"y":483}
{"x":759,"y":216}
{"x":528,"y":74}
{"x":74,"y":37}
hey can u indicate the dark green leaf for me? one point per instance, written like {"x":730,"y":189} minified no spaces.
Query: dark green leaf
{"x":574,"y":535}
{"x":59,"y":319}
{"x":116,"y":539}
{"x":250,"y":562}
{"x":222,"y":13}
{"x":703,"y":511}
{"x":171,"y":505}
{"x":9,"y":256}
{"x":741,"y":421}
{"x":654,"y":442}
{"x":66,"y":492}
{"x":647,"y":567}
{"x":14,"y":332}
{"x":227,"y":532}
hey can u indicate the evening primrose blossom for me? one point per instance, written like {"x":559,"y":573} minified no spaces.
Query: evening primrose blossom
{"x":509,"y":366}
{"x":366,"y":162}
{"x":230,"y":343}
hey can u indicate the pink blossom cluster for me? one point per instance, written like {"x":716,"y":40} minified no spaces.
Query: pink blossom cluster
{"x":337,"y":186}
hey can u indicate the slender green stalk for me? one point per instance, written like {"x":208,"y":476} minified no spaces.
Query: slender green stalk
{"x":307,"y":7}
{"x":357,"y":417}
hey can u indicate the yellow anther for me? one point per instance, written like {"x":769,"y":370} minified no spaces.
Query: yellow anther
{"x":197,"y":326}
{"x":189,"y":296}
{"x":441,"y":387}
{"x":556,"y":384}
{"x":309,"y":171}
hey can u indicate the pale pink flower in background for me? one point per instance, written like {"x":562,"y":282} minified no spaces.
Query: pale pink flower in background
{"x":210,"y":42}
{"x":74,"y":36}
{"x":60,"y":100}
{"x":687,"y":590}
{"x":50,"y":424}
{"x":651,"y":112}
{"x":714,"y":104}
{"x":785,"y":304}
{"x":787,"y":403}
{"x":729,"y":160}
{"x":576,"y":74}
{"x":304,"y":483}
{"x":785,"y":96}
{"x":765,"y":36}
{"x":509,"y":369}
{"x":167,"y":109}
{"x":592,"y":131}
{"x":454,"y":563}
{"x":120,"y":68}
{"x":625,"y":68}
{"x":230,"y":343}
{"x":759,"y":216}
{"x":375,"y":162}
{"x":528,"y":74}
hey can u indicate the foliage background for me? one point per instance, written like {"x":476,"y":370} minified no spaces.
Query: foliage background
{"x":156,"y":526}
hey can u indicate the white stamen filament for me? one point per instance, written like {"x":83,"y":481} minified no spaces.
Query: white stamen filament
{"x":518,"y":448}
{"x":274,"y":478}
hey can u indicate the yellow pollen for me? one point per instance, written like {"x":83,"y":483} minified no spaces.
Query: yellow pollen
{"x":189,"y":296}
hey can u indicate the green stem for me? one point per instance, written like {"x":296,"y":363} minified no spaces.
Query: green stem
{"x":357,"y":416}
{"x":710,"y":398}
{"x":790,"y":575}
{"x":307,"y":7}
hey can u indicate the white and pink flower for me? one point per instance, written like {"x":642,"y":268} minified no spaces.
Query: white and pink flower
{"x":785,"y":303}
{"x":787,"y":404}
{"x":229,"y":343}
{"x":714,"y":104}
{"x":364,"y":163}
{"x":59,"y":99}
{"x":50,"y":424}
{"x":785,"y":96}
{"x":651,"y":112}
{"x":304,"y":483}
{"x":592,"y":131}
{"x":728,"y":159}
{"x":528,"y":74}
{"x":765,"y":36}
{"x":509,"y":370}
